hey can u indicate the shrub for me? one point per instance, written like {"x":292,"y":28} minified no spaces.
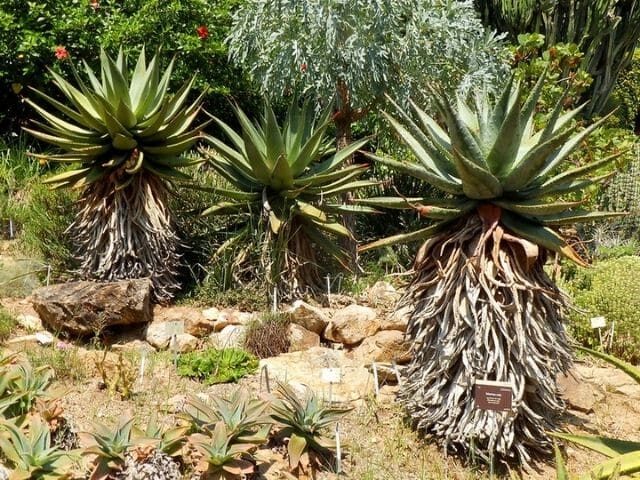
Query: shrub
{"x":268,"y":336}
{"x":7,"y":324}
{"x":217,"y":366}
{"x":610,"y":289}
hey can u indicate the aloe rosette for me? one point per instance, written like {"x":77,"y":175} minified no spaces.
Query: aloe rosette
{"x":286,"y":182}
{"x":128,"y":135}
{"x":482,"y":306}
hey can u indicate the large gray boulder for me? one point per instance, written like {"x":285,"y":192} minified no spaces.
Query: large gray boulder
{"x":86,"y":308}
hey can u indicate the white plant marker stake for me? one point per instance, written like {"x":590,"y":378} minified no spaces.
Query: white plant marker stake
{"x":11,"y":228}
{"x":329,"y":289}
{"x":599,"y":323}
{"x":143,"y":362}
{"x":613,"y":331}
{"x":338,"y":450}
{"x":48,"y":274}
{"x":375,"y":379}
{"x":274,"y":307}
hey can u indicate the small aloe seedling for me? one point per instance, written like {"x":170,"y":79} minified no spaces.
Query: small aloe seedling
{"x":31,"y":454}
{"x":304,"y":423}
{"x":222,"y":458}
{"x":244,"y":417}
{"x":167,"y":440}
{"x":110,"y":447}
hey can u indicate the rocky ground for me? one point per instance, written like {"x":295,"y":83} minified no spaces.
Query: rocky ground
{"x":346,"y":334}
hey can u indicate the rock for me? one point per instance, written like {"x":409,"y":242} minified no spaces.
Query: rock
{"x":612,"y":380}
{"x":211,"y":313}
{"x":301,"y":338}
{"x":382,"y":294}
{"x":578,"y":394}
{"x":134,"y":346}
{"x":311,"y":318}
{"x":183,"y":343}
{"x":41,"y":338}
{"x":384,"y":346}
{"x":195,"y":323}
{"x":231,"y":336}
{"x":86,"y":308}
{"x":352,"y":324}
{"x":396,"y":320}
{"x":158,"y":335}
{"x":4,"y":472}
{"x":305,"y":369}
{"x":29,"y":322}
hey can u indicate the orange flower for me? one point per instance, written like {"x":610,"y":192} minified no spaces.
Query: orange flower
{"x":61,"y":52}
{"x":303,"y":67}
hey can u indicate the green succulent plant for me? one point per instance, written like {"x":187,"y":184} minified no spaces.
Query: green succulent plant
{"x":26,"y":386}
{"x":285,"y":181}
{"x":128,"y":135}
{"x":222,"y":457}
{"x":110,"y":446}
{"x":167,"y":440}
{"x":304,"y":422}
{"x":244,"y":417}
{"x":481,"y":305}
{"x":31,"y":454}
{"x":623,"y":456}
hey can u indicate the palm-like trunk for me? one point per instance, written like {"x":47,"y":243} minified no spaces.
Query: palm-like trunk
{"x":483,"y":308}
{"x":128,"y":233}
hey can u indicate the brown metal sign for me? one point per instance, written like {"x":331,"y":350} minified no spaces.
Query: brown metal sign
{"x":490,"y":395}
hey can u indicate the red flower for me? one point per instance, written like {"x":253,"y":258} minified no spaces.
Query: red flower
{"x":202,"y":31}
{"x":61,"y":52}
{"x":95,"y":4}
{"x":303,"y":67}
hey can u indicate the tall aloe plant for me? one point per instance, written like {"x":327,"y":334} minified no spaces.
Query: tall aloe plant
{"x":284,"y":183}
{"x":482,"y":306}
{"x":127,"y":134}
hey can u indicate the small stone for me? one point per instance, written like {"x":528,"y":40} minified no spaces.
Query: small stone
{"x":578,"y":394}
{"x":44,"y":338}
{"x":312,"y":318}
{"x":29,"y":322}
{"x":352,"y":324}
{"x":137,"y":346}
{"x":382,"y":294}
{"x":302,"y":339}
{"x":384,"y":346}
{"x":231,"y":336}
{"x":183,"y":343}
{"x":397,"y":320}
{"x":157,"y":334}
{"x":211,"y":313}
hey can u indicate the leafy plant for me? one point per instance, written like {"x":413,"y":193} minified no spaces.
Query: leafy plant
{"x":284,"y":182}
{"x":167,"y":440}
{"x":32,"y":454}
{"x":217,"y":366}
{"x":244,"y":417}
{"x":609,"y":289}
{"x":110,"y":446}
{"x":27,"y":386}
{"x":222,"y":458}
{"x":482,"y":259}
{"x":127,"y":134}
{"x":268,"y":336}
{"x":623,"y":456}
{"x":304,"y":423}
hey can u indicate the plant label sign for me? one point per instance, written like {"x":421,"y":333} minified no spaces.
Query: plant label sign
{"x":174,"y":328}
{"x":330,"y":375}
{"x":598,"y":322}
{"x":490,"y":395}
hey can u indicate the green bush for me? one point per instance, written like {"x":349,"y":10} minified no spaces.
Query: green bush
{"x":610,"y":289}
{"x":31,"y":31}
{"x":626,"y":95}
{"x":217,"y":366}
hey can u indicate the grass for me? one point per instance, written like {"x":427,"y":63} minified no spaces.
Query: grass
{"x":7,"y":324}
{"x":64,"y":358}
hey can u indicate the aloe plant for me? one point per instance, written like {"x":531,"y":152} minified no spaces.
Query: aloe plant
{"x":110,"y":446}
{"x":168,"y":440}
{"x":222,"y":457}
{"x":128,"y":135}
{"x":482,"y":306}
{"x":285,"y":183}
{"x":304,"y":423}
{"x":31,"y":454}
{"x":623,"y":455}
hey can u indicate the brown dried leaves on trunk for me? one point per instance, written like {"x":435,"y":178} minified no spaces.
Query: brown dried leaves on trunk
{"x":484,"y":308}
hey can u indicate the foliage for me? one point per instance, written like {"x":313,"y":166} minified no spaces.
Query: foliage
{"x":222,"y":457}
{"x":128,"y":135}
{"x":26,"y":386}
{"x":110,"y":445}
{"x":609,"y":289}
{"x":168,"y":440}
{"x":284,"y":180}
{"x":268,"y":336}
{"x":118,"y":377}
{"x":32,"y":454}
{"x":31,"y":31}
{"x":607,"y":31}
{"x":305,"y":423}
{"x":243,"y":416}
{"x":368,"y":47}
{"x":63,"y":358}
{"x":626,"y":95}
{"x":217,"y":366}
{"x":623,"y":455}
{"x":7,"y":324}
